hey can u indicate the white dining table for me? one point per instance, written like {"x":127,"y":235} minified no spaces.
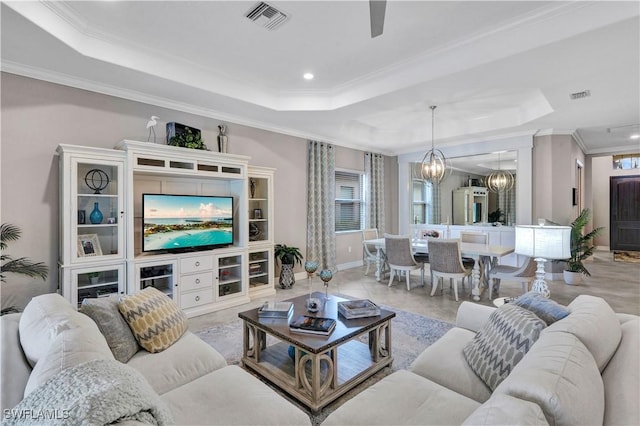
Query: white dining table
{"x":484,"y":255}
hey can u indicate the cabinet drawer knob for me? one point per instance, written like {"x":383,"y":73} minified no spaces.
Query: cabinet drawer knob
{"x":197,"y":280}
{"x":197,"y":263}
{"x":197,"y":298}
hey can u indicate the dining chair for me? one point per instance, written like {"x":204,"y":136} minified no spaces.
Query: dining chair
{"x":524,"y":274}
{"x":476,"y":238}
{"x":446,"y":262}
{"x":421,"y":257}
{"x":369,"y":252}
{"x":400,"y":258}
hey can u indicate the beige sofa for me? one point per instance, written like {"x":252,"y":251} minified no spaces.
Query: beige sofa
{"x":583,"y":370}
{"x":191,"y":378}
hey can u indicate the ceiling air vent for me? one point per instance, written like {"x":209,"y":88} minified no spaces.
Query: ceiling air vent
{"x":580,"y":95}
{"x":266,"y":16}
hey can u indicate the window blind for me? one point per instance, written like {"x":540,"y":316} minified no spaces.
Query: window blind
{"x":349,"y":201}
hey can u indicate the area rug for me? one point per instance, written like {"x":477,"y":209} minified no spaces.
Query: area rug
{"x":411,"y":333}
{"x":626,"y":256}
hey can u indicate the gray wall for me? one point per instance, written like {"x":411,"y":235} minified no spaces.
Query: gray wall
{"x":554,"y":162}
{"x":37,"y":116}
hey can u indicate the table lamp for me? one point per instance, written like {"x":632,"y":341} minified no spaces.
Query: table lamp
{"x":543,"y":243}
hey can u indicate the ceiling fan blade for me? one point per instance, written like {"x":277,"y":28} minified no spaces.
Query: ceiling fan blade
{"x":377,"y":9}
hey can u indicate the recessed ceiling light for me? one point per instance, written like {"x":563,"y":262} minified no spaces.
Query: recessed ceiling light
{"x":635,"y":136}
{"x":308,"y":76}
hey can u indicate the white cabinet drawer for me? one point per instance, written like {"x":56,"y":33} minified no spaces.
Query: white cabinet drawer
{"x":196,"y":264}
{"x":196,"y":298}
{"x":196,"y":281}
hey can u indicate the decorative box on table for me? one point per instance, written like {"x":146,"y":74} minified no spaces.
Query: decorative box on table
{"x":358,"y":309}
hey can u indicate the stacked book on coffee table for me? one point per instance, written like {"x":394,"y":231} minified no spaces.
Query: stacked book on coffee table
{"x":312,"y":325}
{"x":282,"y":310}
{"x":358,"y":309}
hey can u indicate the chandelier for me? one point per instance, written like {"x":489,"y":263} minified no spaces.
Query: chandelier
{"x":434,"y":163}
{"x":500,"y":180}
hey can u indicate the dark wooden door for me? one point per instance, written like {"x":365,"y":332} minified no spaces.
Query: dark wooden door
{"x":625,"y":213}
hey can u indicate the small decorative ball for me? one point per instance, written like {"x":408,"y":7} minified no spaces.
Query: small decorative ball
{"x":310,"y":266}
{"x":326,"y":275}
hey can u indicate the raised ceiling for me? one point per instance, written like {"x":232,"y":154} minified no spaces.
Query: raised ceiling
{"x":493,"y":68}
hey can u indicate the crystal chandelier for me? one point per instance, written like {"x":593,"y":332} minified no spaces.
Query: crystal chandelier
{"x":434,"y":163}
{"x":500,"y":180}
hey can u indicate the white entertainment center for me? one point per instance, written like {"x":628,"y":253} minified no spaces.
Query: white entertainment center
{"x":103,"y":257}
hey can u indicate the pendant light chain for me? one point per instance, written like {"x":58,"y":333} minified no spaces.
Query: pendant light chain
{"x":434,"y":163}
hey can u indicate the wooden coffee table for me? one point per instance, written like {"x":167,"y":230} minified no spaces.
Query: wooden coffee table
{"x":325,"y":367}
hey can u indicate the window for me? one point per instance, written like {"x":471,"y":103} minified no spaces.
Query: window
{"x":626,"y":161}
{"x":421,"y":202}
{"x":349,"y":201}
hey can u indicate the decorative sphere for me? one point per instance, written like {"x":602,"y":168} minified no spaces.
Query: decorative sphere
{"x":97,"y":180}
{"x":326,"y":275}
{"x":310,"y":266}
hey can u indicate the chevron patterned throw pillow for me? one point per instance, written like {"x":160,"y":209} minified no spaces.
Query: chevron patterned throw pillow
{"x":502,"y":342}
{"x":155,"y":320}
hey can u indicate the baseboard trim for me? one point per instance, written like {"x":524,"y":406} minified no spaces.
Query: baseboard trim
{"x":349,"y":265}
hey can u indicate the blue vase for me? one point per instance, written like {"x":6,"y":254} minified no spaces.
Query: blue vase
{"x":96,"y":215}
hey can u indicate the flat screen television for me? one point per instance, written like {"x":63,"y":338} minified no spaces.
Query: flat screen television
{"x":186,"y":222}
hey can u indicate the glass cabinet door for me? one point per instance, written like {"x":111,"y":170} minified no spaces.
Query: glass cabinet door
{"x":97,"y":217}
{"x":92,"y":282}
{"x":230,"y":275}
{"x":160,"y":275}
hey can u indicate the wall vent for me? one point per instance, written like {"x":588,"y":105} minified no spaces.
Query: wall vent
{"x":580,"y":95}
{"x":266,"y":16}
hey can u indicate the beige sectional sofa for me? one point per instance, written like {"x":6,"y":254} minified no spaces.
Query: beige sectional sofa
{"x":190,"y":378}
{"x":583,"y":370}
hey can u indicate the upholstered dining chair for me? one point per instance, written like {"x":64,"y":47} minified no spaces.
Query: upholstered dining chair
{"x":446,"y":262}
{"x":400,"y":258}
{"x":524,"y":274}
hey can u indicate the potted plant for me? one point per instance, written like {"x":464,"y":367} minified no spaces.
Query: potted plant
{"x":21,"y":265}
{"x":188,"y":139}
{"x":581,"y":248}
{"x":93,"y":277}
{"x":288,"y":257}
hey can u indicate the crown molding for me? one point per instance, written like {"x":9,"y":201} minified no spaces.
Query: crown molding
{"x":552,"y":132}
{"x":578,"y":138}
{"x":132,"y":95}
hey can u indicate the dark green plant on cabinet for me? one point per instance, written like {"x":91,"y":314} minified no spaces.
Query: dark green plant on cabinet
{"x":188,"y":139}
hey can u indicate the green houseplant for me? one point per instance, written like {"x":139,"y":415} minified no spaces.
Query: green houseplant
{"x":581,"y":248}
{"x":288,"y":257}
{"x":188,"y":139}
{"x":21,"y":265}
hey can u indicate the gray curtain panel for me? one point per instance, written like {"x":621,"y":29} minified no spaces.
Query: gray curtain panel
{"x":507,"y":204}
{"x":435,"y":203}
{"x":321,"y":196}
{"x":374,"y":175}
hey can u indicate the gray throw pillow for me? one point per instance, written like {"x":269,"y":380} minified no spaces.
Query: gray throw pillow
{"x":503,"y":341}
{"x":547,"y":310}
{"x":104,"y":311}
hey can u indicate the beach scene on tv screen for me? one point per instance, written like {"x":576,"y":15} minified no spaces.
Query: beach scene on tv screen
{"x":182,"y":222}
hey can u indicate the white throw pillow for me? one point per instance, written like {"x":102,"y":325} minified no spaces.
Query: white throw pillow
{"x":71,"y":347}
{"x":44,"y":317}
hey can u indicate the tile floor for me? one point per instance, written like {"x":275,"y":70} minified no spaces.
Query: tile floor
{"x":616,"y":282}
